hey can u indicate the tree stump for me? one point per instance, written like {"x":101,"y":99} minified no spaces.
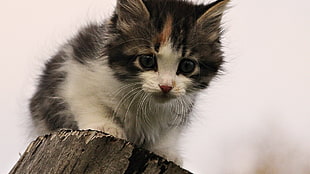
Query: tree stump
{"x":92,"y":152}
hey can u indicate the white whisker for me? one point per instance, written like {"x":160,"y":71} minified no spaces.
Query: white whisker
{"x":137,"y":94}
{"x":126,"y":97}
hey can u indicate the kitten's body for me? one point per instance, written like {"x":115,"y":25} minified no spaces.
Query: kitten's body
{"x":136,"y":75}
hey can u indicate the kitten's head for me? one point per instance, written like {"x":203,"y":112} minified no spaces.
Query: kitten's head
{"x":170,"y":47}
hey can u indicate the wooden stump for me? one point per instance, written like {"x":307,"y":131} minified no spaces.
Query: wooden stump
{"x":90,"y":151}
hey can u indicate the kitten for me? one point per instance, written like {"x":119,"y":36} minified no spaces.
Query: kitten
{"x":134,"y":76}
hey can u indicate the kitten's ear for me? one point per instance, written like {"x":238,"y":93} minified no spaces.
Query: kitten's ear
{"x":211,"y":20}
{"x":129,"y":11}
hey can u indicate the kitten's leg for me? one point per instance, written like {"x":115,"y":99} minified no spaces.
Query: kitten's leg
{"x":88,"y":108}
{"x":167,"y":147}
{"x":89,"y":114}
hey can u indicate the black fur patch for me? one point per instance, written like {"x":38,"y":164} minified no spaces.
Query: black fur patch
{"x":87,"y":45}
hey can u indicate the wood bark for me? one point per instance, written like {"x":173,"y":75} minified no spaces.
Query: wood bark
{"x":92,"y":152}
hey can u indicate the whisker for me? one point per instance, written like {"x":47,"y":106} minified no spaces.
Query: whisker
{"x":140,"y":102}
{"x":132,"y":100}
{"x":140,"y":105}
{"x":123,"y":88}
{"x":125,"y":98}
{"x":146,"y":109}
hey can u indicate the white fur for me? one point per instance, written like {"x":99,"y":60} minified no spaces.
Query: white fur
{"x":88,"y":91}
{"x":96,"y":97}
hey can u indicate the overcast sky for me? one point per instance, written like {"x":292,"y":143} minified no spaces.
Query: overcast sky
{"x":258,"y":110}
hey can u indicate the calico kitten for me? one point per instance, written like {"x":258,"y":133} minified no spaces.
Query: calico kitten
{"x":134,"y":76}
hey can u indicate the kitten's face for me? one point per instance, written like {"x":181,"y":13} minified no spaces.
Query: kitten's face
{"x":169,"y":47}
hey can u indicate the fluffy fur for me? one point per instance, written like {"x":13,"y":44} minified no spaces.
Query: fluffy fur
{"x":98,"y":79}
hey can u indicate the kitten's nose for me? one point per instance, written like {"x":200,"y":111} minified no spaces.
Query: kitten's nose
{"x":165,"y":88}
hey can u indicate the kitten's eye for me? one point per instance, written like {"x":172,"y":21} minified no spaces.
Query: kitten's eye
{"x":147,"y":61}
{"x":186,"y":66}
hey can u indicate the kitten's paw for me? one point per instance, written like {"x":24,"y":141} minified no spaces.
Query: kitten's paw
{"x":111,"y":129}
{"x":115,"y":131}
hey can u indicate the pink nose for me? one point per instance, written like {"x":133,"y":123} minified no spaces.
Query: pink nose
{"x":165,"y":88}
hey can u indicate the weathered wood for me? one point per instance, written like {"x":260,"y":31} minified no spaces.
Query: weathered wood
{"x":89,"y":152}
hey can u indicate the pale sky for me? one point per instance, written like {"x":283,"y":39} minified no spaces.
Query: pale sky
{"x":258,"y":110}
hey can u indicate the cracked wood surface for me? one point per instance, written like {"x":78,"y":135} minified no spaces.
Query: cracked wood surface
{"x":92,"y":152}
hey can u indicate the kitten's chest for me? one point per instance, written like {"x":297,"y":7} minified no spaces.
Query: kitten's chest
{"x":145,"y":122}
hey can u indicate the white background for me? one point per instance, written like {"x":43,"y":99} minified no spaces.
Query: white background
{"x":257,"y":113}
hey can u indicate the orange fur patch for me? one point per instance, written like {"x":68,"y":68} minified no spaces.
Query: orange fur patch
{"x":164,"y":36}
